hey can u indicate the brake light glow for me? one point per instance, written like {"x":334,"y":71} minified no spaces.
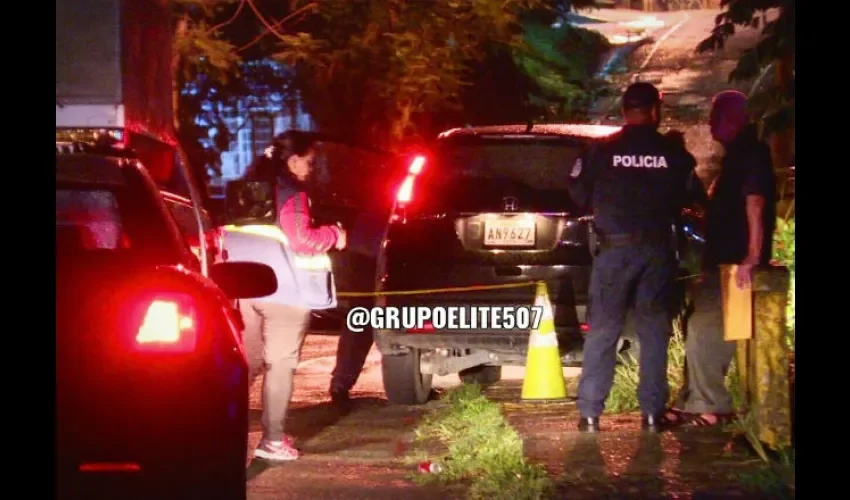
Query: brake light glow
{"x":404,"y":195}
{"x":110,"y":467}
{"x":405,"y":192}
{"x":584,"y":327}
{"x":169,"y":324}
{"x":426,"y":328}
{"x":416,"y":165}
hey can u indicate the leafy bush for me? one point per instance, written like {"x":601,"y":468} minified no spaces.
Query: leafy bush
{"x":783,"y":254}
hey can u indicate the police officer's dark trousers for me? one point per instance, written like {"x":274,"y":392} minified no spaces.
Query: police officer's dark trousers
{"x":351,"y":353}
{"x":644,"y":273}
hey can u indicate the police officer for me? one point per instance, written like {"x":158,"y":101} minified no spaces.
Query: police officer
{"x":636,"y":183}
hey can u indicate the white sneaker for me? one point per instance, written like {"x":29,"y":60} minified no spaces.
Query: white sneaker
{"x":277,"y":451}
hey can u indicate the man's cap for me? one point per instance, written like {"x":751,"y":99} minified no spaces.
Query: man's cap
{"x":641,"y":95}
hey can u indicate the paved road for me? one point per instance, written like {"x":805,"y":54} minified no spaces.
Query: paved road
{"x":361,"y":454}
{"x":358,"y":455}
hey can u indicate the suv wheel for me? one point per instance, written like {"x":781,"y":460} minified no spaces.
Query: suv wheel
{"x":482,"y":375}
{"x":404,"y":383}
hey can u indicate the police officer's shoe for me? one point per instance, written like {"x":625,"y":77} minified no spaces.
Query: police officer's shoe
{"x":653,"y":423}
{"x":588,"y":424}
{"x":339,"y":396}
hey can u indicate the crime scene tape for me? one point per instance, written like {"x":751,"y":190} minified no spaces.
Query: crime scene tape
{"x":471,"y":288}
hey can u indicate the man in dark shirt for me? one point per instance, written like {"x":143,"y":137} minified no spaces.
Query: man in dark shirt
{"x":740,"y":220}
{"x":636,"y":182}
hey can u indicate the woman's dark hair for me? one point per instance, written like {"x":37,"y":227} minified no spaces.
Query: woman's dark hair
{"x":292,"y":142}
{"x":272,"y":165}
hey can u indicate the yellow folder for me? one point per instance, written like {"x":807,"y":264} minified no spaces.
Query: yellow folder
{"x":737,"y":306}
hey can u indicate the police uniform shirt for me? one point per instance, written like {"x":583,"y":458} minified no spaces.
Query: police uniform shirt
{"x":636,"y":181}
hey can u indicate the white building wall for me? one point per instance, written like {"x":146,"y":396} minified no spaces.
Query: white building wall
{"x":236,"y":160}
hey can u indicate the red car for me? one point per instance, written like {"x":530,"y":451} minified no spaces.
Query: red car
{"x":151,"y":375}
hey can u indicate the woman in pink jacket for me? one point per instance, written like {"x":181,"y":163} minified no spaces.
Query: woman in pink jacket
{"x":275,"y":326}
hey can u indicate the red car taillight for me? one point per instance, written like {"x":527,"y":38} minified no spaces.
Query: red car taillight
{"x":170,"y":324}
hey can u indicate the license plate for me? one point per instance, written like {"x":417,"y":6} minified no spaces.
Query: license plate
{"x":508,"y":233}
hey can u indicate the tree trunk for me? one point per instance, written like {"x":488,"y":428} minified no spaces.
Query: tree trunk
{"x":402,"y":123}
{"x":176,"y":76}
{"x":782,"y":140}
{"x":188,"y":150}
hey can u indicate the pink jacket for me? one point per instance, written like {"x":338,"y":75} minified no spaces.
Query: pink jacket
{"x":296,"y":224}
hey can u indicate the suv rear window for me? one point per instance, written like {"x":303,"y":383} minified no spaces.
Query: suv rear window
{"x":479,"y":175}
{"x":349,"y":176}
{"x":539,"y":164}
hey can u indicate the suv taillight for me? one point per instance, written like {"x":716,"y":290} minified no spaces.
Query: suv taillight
{"x":404,"y":195}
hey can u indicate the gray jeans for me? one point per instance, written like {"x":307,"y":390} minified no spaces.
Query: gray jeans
{"x":707,"y":355}
{"x":273,"y":337}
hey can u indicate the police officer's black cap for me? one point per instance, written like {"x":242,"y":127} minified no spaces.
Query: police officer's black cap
{"x":641,"y":95}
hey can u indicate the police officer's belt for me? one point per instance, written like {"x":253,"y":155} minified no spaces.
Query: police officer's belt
{"x":636,"y":238}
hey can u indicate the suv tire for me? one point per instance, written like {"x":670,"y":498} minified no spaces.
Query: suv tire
{"x":404,"y":383}
{"x":482,"y":375}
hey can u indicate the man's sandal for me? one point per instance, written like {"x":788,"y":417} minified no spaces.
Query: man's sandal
{"x":674,"y":416}
{"x":701,"y":421}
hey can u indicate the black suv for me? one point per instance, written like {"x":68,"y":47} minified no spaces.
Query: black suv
{"x":448,"y":230}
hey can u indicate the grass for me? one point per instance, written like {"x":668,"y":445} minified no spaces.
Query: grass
{"x":771,"y":481}
{"x":776,"y":477}
{"x":623,"y":396}
{"x":479,"y":449}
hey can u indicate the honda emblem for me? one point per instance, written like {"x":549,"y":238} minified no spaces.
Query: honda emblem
{"x":510,"y":203}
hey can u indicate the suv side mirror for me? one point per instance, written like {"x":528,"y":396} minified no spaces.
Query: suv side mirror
{"x":250,"y":202}
{"x":244,"y":280}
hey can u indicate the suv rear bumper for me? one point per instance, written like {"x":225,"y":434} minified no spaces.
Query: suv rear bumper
{"x":506,"y":348}
{"x":567,"y":290}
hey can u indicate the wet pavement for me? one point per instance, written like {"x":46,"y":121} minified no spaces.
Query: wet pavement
{"x":688,"y":80}
{"x":361,"y":453}
{"x":624,"y":462}
{"x":354,"y":454}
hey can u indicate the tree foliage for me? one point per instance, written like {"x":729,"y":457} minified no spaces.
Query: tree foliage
{"x":379,"y":65}
{"x":774,"y":103}
{"x":200,"y":55}
{"x":380,"y":70}
{"x":560,"y":62}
